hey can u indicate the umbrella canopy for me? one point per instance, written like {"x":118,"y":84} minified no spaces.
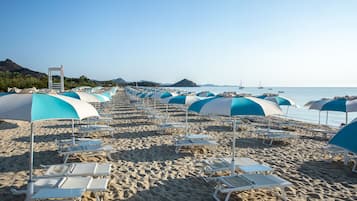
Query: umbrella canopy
{"x":84,"y":96}
{"x":101,"y":97}
{"x":39,"y":107}
{"x":346,"y":137}
{"x":181,"y":99}
{"x":205,"y":94}
{"x":279,"y":100}
{"x":167,"y":94}
{"x":235,"y":106}
{"x":339,"y":104}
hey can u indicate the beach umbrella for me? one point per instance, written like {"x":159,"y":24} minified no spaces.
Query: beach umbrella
{"x":101,"y":97}
{"x":40,"y":107}
{"x":279,"y":100}
{"x":346,"y":137}
{"x":338,"y":104}
{"x":182,"y":100}
{"x":84,"y":96}
{"x":235,"y":106}
{"x":205,"y":94}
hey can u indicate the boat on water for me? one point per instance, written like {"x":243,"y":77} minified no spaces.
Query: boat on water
{"x":241,"y":85}
{"x":260,"y":86}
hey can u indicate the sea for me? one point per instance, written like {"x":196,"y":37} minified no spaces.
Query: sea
{"x":301,"y":95}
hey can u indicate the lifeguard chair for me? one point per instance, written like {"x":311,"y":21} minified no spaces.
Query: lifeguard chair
{"x":58,"y":86}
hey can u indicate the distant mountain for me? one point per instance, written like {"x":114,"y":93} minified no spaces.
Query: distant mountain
{"x":119,"y":81}
{"x":184,"y":83}
{"x":144,"y":83}
{"x":12,"y":67}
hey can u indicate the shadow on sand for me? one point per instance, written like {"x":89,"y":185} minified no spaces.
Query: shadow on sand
{"x":4,"y":125}
{"x":177,"y":189}
{"x":154,"y":153}
{"x":330,"y":172}
{"x":133,"y":124}
{"x":45,"y":138}
{"x":17,"y":163}
{"x":136,"y":135}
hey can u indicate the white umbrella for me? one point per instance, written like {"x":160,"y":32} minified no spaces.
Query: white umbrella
{"x":39,"y":107}
{"x":235,"y":106}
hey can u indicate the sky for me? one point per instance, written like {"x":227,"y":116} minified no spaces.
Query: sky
{"x":275,"y":42}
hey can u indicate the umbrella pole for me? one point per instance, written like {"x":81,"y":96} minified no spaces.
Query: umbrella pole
{"x":287,"y":110}
{"x":167,"y":112}
{"x":319,"y":116}
{"x":346,"y":117}
{"x":73,"y":137}
{"x":187,"y":121}
{"x":233,"y":146}
{"x":326,"y":117}
{"x":30,"y":187}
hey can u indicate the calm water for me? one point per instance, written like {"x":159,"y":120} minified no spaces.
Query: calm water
{"x":300,"y":95}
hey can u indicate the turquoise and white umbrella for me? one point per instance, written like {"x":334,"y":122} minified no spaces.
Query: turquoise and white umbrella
{"x":279,"y":100}
{"x":346,"y":137}
{"x":84,"y":96}
{"x":205,"y":94}
{"x":101,"y":98}
{"x":181,"y":100}
{"x":40,"y":107}
{"x":235,"y":106}
{"x":338,"y":104}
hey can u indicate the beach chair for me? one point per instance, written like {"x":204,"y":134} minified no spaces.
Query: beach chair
{"x":71,"y":150}
{"x":78,"y":169}
{"x":58,"y":194}
{"x":62,"y":144}
{"x":332,"y":151}
{"x":245,"y":165}
{"x":190,"y":143}
{"x":92,"y":128}
{"x":269,"y":138}
{"x":271,"y":135}
{"x":43,"y":186}
{"x":101,"y":119}
{"x":238,"y":183}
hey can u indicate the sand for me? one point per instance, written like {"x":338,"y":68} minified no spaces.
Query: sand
{"x":146,"y":167}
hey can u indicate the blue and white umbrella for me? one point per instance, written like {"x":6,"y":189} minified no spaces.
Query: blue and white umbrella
{"x":346,"y":137}
{"x":279,"y":100}
{"x":39,"y":107}
{"x":84,"y":96}
{"x":205,"y":94}
{"x":235,"y":106}
{"x":338,"y":104}
{"x":181,"y":100}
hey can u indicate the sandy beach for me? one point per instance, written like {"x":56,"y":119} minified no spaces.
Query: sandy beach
{"x":146,"y":167}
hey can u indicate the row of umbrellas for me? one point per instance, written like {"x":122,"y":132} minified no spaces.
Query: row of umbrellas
{"x":42,"y":107}
{"x":262,"y":106}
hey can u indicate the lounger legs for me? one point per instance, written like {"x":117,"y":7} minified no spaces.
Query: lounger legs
{"x":109,"y":156}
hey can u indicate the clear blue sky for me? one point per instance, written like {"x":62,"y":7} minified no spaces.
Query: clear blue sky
{"x":280,"y":43}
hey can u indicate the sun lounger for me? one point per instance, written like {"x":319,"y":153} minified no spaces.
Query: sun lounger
{"x":238,"y":183}
{"x":95,"y":185}
{"x":270,"y":137}
{"x":68,"y":151}
{"x":245,"y":165}
{"x":101,"y":119}
{"x":61,"y":144}
{"x":86,"y":129}
{"x":58,"y":194}
{"x":332,"y":151}
{"x":78,"y":169}
{"x":179,"y":144}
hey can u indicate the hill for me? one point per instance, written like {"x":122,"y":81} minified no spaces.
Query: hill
{"x":14,"y":75}
{"x":184,"y":83}
{"x":12,"y":67}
